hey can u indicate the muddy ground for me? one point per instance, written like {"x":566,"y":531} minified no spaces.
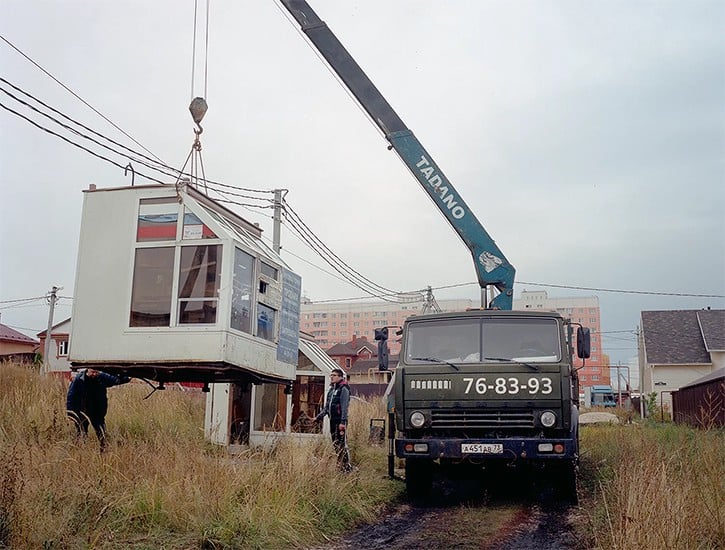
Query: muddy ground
{"x":465,"y":518}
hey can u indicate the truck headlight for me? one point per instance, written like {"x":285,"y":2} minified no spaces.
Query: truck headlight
{"x":417,"y":419}
{"x":548,"y":419}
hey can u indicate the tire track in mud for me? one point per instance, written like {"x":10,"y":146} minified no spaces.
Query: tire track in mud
{"x":410,"y":527}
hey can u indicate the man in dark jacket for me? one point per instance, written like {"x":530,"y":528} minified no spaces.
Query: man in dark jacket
{"x":336,"y":405}
{"x":87,"y":402}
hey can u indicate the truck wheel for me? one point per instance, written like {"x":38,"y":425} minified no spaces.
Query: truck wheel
{"x":418,"y":477}
{"x":567,"y":483}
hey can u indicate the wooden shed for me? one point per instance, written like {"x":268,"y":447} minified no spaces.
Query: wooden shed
{"x":171,"y":286}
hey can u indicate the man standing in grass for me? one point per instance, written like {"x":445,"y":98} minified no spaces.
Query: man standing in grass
{"x":336,"y":405}
{"x":87,"y":401}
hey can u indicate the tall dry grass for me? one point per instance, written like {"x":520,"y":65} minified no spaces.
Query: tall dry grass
{"x":161,"y":485}
{"x":650,"y":486}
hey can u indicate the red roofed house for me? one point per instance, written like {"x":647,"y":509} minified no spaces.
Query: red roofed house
{"x":349,"y":353}
{"x":359,"y":359}
{"x":15,"y":346}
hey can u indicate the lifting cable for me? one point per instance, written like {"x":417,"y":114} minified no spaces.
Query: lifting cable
{"x":197,"y":108}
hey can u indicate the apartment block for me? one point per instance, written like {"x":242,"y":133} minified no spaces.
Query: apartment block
{"x":585,"y":311}
{"x":339,"y":322}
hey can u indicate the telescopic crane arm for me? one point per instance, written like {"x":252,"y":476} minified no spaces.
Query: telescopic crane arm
{"x":492,"y":268}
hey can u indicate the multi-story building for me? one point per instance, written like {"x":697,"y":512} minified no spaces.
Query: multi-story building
{"x":341,"y":322}
{"x":585,"y":311}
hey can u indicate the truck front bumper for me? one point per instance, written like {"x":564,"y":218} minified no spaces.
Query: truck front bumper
{"x":513,"y":449}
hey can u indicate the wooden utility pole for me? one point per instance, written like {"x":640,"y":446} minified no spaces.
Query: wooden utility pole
{"x":52,"y":299}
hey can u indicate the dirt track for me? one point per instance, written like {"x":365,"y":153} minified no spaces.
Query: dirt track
{"x":457,"y":521}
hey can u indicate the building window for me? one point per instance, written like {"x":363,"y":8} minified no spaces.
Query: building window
{"x":153,"y":276}
{"x":62,"y":348}
{"x":348,"y":362}
{"x":199,"y":284}
{"x":270,"y":407}
{"x":242,"y":291}
{"x":266,"y":317}
{"x":194,"y":228}
{"x":157,"y":219}
{"x":270,"y":271}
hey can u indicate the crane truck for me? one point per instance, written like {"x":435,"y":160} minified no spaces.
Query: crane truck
{"x":481,"y":389}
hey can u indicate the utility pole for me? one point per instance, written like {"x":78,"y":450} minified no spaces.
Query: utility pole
{"x":52,"y":299}
{"x":429,"y":302}
{"x":640,"y":365}
{"x":277,"y":220}
{"x":619,"y":385}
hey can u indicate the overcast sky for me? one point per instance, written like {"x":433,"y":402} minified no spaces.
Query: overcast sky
{"x":587,"y":137}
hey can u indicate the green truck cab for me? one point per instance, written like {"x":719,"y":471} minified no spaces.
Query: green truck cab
{"x":487,"y":388}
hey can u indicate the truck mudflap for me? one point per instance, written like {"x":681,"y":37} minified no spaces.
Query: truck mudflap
{"x":477,"y":450}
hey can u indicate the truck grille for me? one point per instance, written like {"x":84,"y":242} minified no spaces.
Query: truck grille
{"x":482,"y":419}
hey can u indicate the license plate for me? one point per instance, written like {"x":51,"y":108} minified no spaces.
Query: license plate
{"x":482,"y":448}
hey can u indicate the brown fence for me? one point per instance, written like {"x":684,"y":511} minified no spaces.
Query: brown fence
{"x":701,"y":405}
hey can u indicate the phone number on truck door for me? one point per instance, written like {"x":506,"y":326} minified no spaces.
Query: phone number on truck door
{"x":512,"y":385}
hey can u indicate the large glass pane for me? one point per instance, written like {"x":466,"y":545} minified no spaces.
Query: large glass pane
{"x":194,"y":228}
{"x":522,"y":339}
{"x":266,"y":317}
{"x":242,"y":291}
{"x":199,"y":274}
{"x":449,"y":340}
{"x":270,"y":271}
{"x":153,"y":275}
{"x":469,"y":340}
{"x":308,"y":395}
{"x":157,"y":219}
{"x":270,"y":408}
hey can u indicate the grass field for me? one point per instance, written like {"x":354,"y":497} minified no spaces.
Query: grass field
{"x":161,"y":485}
{"x":652,"y":486}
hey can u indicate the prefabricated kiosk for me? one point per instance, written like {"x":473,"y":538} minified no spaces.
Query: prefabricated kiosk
{"x":171,"y":286}
{"x":240,"y":414}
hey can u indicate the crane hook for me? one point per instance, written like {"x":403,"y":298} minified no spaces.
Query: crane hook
{"x":198,"y":108}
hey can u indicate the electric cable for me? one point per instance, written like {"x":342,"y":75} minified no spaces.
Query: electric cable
{"x":158,"y":166}
{"x":293,"y":224}
{"x":39,"y":126}
{"x":367,"y":282}
{"x":76,"y":96}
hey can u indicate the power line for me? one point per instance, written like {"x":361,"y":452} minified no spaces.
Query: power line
{"x":139,"y":158}
{"x":77,"y":96}
{"x":596,"y":289}
{"x":22,"y":300}
{"x":71,"y":142}
{"x":343,"y":268}
{"x":620,"y":291}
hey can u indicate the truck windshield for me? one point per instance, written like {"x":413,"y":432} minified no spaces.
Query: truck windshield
{"x":481,"y":340}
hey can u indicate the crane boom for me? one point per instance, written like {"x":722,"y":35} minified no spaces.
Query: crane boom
{"x":492,"y":268}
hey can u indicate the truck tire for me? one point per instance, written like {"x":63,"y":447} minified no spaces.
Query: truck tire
{"x":567,"y":483}
{"x":418,"y":477}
